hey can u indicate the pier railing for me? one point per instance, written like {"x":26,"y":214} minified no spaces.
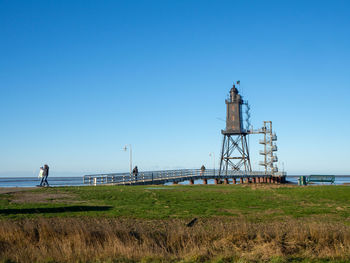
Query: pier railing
{"x":161,"y":177}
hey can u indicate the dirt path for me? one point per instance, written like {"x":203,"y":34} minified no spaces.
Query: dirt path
{"x":8,"y":190}
{"x":23,"y":195}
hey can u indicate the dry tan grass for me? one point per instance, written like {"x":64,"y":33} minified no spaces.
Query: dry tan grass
{"x":101,"y":239}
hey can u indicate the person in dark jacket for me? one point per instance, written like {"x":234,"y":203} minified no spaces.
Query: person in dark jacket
{"x":202,"y":170}
{"x":44,"y":181}
{"x":135,"y":172}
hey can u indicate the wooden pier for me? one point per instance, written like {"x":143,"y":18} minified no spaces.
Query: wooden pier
{"x":177,"y":176}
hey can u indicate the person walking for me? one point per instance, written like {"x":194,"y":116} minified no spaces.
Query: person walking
{"x":41,"y":175}
{"x":44,"y":181}
{"x":202,"y":170}
{"x":135,"y":172}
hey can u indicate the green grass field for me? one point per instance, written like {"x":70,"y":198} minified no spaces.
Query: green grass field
{"x":234,"y":223}
{"x":163,"y":202}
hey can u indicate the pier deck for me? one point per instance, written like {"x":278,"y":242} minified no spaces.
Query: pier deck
{"x":177,"y":176}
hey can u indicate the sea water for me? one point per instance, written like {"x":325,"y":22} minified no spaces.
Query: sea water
{"x":34,"y":181}
{"x":78,"y":181}
{"x":291,"y":179}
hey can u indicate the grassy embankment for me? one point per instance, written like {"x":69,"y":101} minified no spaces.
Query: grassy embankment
{"x":249,"y":223}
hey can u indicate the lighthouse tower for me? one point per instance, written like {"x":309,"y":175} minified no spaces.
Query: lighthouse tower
{"x":235,"y":152}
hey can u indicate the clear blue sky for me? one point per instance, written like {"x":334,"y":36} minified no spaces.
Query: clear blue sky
{"x":80,"y":79}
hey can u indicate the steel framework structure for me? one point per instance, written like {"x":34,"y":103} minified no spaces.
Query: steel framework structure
{"x":234,"y":154}
{"x":269,"y":148}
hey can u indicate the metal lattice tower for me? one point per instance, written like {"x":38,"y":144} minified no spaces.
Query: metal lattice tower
{"x":269,"y":148}
{"x":235,"y":152}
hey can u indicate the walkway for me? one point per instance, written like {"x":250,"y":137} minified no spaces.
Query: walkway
{"x":176,"y":176}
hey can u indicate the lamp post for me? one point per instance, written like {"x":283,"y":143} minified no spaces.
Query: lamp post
{"x":125,"y":149}
{"x":213,"y":154}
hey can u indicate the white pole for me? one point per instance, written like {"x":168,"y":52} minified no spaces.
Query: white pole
{"x":130,"y":159}
{"x":213,"y":154}
{"x":214,"y":162}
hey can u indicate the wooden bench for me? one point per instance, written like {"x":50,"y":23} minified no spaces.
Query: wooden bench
{"x":314,"y":178}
